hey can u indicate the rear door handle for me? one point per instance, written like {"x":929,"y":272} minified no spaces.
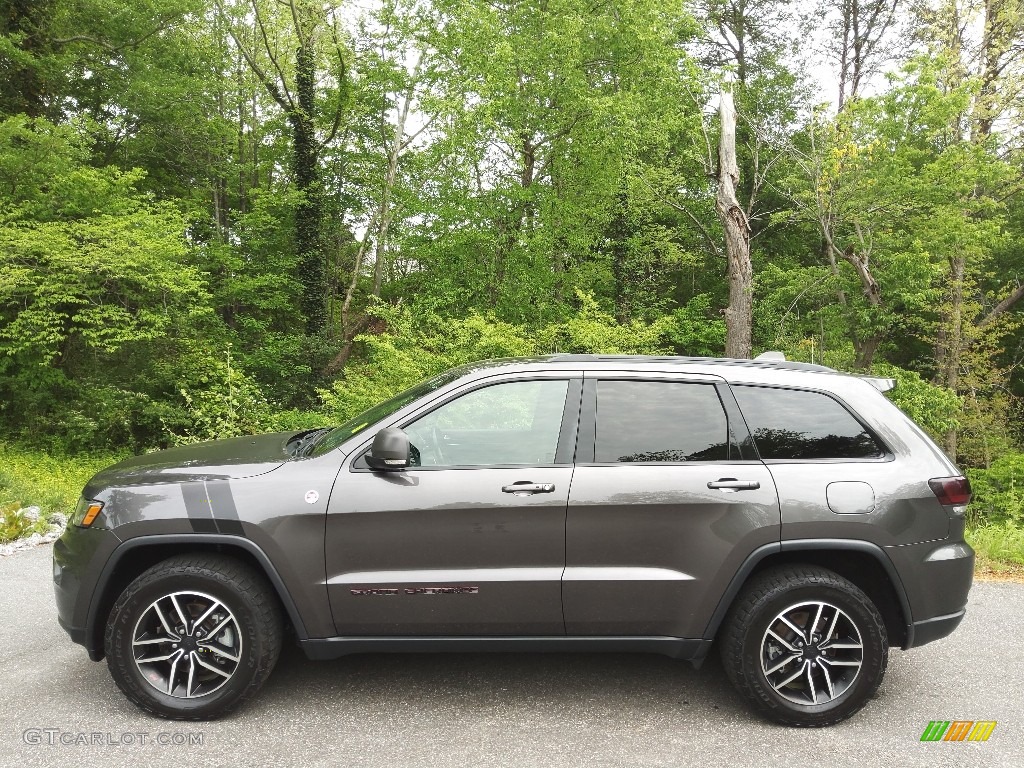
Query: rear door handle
{"x":526,"y":488}
{"x":732,"y":484}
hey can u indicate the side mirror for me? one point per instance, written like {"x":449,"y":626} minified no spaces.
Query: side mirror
{"x":390,"y":451}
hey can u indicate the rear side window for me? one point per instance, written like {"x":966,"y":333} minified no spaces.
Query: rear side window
{"x":647,"y":421}
{"x":797,"y":424}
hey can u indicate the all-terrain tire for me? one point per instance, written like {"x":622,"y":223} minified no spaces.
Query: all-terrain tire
{"x":217,"y":620}
{"x":770,"y":635}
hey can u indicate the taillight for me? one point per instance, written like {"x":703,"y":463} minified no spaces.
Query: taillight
{"x":951,"y":491}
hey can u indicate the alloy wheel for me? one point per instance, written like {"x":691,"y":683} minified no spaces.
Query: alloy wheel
{"x":811,"y":653}
{"x":187,"y":644}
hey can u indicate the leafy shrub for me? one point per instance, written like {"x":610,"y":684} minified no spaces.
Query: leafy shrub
{"x":998,"y":492}
{"x":418,"y":345}
{"x":294,"y":420}
{"x":222,"y":401}
{"x":13,"y":524}
{"x":696,"y":330}
{"x":593,"y":331}
{"x":933,"y":408}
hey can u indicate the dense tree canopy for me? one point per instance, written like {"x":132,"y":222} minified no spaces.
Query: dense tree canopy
{"x":230,"y":215}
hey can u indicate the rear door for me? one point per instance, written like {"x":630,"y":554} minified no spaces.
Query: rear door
{"x":667,"y":500}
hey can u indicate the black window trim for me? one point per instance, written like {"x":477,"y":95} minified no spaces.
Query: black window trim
{"x":567,"y":435}
{"x":887,"y":454}
{"x":736,"y":428}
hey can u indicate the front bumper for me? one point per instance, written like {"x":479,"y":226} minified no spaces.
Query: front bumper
{"x":935,"y":629}
{"x":78,"y":558}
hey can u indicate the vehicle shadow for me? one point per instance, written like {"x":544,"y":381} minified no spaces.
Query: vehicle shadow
{"x":616,"y":681}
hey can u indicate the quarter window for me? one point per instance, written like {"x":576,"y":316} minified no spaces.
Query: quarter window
{"x":516,"y":422}
{"x":798,"y":424}
{"x":649,"y":421}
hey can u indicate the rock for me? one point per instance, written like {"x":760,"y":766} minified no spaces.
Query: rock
{"x":58,"y":518}
{"x":30,"y":513}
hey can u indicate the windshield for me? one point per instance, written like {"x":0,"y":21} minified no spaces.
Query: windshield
{"x":355,"y":425}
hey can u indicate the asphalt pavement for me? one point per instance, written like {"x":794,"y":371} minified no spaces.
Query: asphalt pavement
{"x":529,"y":710}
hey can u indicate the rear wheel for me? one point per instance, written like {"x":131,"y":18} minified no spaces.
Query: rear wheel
{"x":805,"y":646}
{"x":193,"y":637}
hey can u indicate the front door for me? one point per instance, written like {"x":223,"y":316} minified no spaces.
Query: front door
{"x":471,"y":540}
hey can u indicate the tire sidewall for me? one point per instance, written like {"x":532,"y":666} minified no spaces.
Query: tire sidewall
{"x":118,"y":645}
{"x":864,"y":686}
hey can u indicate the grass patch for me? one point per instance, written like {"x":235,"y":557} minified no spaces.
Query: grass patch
{"x":999,"y":547}
{"x":30,"y":478}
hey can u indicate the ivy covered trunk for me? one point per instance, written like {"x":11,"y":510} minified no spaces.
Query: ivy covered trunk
{"x":309,"y":214}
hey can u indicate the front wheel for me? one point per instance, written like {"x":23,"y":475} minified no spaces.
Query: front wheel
{"x":805,"y":646}
{"x":193,"y":637}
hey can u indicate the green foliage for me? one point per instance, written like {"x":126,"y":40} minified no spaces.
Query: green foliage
{"x":550,"y":189}
{"x":221,"y":401}
{"x":13,"y":524}
{"x":996,"y":544}
{"x":999,"y":492}
{"x":696,"y":330}
{"x":933,"y":408}
{"x":52,"y":482}
{"x":94,"y":283}
{"x":416,"y":346}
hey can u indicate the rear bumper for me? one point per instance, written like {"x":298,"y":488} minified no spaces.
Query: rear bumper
{"x":937,"y":578}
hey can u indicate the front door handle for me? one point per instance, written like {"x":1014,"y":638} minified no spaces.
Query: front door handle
{"x":732,"y":484}
{"x":526,"y":488}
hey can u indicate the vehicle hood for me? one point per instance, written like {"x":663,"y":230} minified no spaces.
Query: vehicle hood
{"x":228,"y":459}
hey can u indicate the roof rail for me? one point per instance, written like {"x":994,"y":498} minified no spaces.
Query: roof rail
{"x":759,"y":362}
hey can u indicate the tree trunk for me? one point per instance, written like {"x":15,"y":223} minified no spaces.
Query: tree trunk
{"x":739,"y":315}
{"x":952,"y":340}
{"x":23,"y":88}
{"x":865,"y":348}
{"x":309,"y":214}
{"x":378,"y":229}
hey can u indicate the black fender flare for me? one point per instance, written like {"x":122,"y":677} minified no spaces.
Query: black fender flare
{"x":797,"y":545}
{"x":99,"y":592}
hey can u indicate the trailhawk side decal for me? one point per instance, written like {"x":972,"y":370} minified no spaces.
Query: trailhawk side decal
{"x":418,"y":591}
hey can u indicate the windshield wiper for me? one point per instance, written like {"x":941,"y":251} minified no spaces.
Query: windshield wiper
{"x":301,"y":443}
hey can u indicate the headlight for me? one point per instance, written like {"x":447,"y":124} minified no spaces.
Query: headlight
{"x":86,"y":512}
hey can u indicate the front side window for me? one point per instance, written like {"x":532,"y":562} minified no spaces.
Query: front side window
{"x":798,"y":424}
{"x":653,"y":421}
{"x":516,"y":422}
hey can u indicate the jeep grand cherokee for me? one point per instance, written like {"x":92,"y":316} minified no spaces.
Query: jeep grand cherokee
{"x":785,"y":513}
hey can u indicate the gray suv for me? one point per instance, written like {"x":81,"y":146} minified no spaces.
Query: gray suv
{"x":786,"y":513}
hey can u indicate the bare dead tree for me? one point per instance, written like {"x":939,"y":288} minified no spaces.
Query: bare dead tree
{"x":740,"y":312}
{"x":860,"y":32}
